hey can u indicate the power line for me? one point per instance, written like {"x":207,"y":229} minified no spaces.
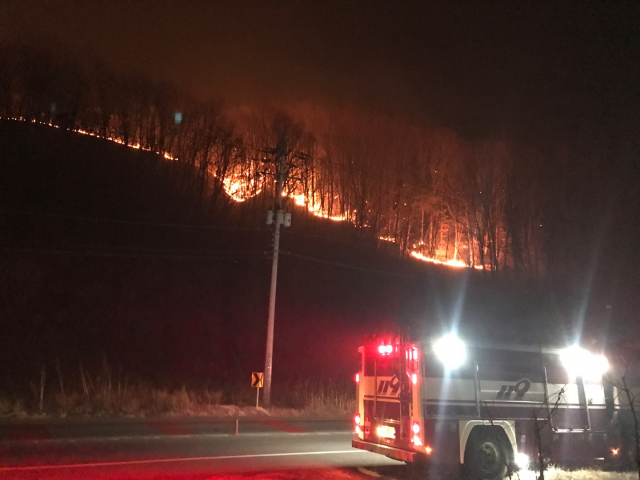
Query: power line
{"x":130,"y":222}
{"x":335,"y":239}
{"x":345,"y":265}
{"x":215,"y":255}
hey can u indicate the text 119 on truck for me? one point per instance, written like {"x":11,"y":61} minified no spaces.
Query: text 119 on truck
{"x":488,"y":409}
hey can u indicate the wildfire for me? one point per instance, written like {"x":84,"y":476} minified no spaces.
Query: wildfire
{"x":241,"y":186}
{"x":135,"y":146}
{"x":119,"y":141}
{"x":313,"y":207}
{"x":419,"y":256}
{"x":448,"y":263}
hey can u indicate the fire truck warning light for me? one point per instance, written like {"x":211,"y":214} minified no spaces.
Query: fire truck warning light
{"x":385,"y":349}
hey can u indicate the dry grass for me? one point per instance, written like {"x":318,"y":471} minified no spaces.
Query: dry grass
{"x":325,"y":398}
{"x":106,"y":394}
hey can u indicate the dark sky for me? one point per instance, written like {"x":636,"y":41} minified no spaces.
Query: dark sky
{"x":539,"y":70}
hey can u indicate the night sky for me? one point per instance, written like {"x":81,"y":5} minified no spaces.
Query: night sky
{"x":547,"y":73}
{"x":553,"y":77}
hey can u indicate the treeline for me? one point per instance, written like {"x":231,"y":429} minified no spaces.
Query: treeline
{"x":424,"y":188}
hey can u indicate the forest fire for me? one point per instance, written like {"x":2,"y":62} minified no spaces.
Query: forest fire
{"x":135,"y":146}
{"x":238,"y":189}
{"x":314,"y":207}
{"x":419,"y":256}
{"x":241,"y":184}
{"x":447,"y":263}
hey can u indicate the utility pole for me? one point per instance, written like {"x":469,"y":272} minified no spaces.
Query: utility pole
{"x":279,"y":219}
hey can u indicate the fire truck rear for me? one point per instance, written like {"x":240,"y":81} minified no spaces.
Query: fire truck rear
{"x":491,"y":409}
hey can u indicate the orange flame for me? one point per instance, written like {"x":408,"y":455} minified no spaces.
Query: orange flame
{"x":448,"y":263}
{"x":241,"y":186}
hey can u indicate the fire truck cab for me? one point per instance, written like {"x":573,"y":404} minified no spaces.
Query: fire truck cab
{"x":490,"y":409}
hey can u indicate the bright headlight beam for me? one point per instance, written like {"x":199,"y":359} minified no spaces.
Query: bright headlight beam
{"x":579,"y":362}
{"x":451,"y":351}
{"x":522,"y":461}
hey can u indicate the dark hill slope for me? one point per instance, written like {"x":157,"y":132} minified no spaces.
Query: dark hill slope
{"x":97,"y":263}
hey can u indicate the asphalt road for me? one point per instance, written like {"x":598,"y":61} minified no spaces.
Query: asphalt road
{"x":183,"y":448}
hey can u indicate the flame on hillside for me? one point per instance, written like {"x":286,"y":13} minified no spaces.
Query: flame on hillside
{"x":448,"y":263}
{"x":117,"y":140}
{"x":314,"y":207}
{"x":242,"y":185}
{"x":419,"y":256}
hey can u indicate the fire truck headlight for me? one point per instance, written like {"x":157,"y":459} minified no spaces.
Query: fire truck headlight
{"x":580,"y":362}
{"x":600,"y":365}
{"x":451,"y":351}
{"x":522,"y":461}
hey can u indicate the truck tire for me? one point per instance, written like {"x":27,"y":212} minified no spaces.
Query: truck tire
{"x":487,"y":454}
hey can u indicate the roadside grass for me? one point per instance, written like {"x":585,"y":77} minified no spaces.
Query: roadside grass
{"x":586,"y":474}
{"x":106,"y":394}
{"x":319,"y":398}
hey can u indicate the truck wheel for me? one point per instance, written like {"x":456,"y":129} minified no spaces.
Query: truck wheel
{"x":487,"y":454}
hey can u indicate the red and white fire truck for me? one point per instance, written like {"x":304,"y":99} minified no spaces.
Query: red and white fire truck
{"x":491,"y":409}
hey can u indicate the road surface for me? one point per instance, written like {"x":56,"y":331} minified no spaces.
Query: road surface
{"x":183,"y":449}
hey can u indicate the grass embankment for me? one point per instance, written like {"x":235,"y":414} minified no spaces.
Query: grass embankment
{"x":107,"y":394}
{"x":559,"y":474}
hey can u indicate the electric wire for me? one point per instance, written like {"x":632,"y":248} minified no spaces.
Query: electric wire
{"x":334,"y":239}
{"x":214,"y":255}
{"x":130,"y":222}
{"x":346,"y":265}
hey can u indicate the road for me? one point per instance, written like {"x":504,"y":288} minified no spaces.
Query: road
{"x":182,"y":449}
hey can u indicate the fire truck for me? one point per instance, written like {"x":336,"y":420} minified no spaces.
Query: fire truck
{"x":487,"y":409}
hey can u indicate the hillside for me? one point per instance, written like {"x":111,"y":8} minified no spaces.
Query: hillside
{"x":106,"y":255}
